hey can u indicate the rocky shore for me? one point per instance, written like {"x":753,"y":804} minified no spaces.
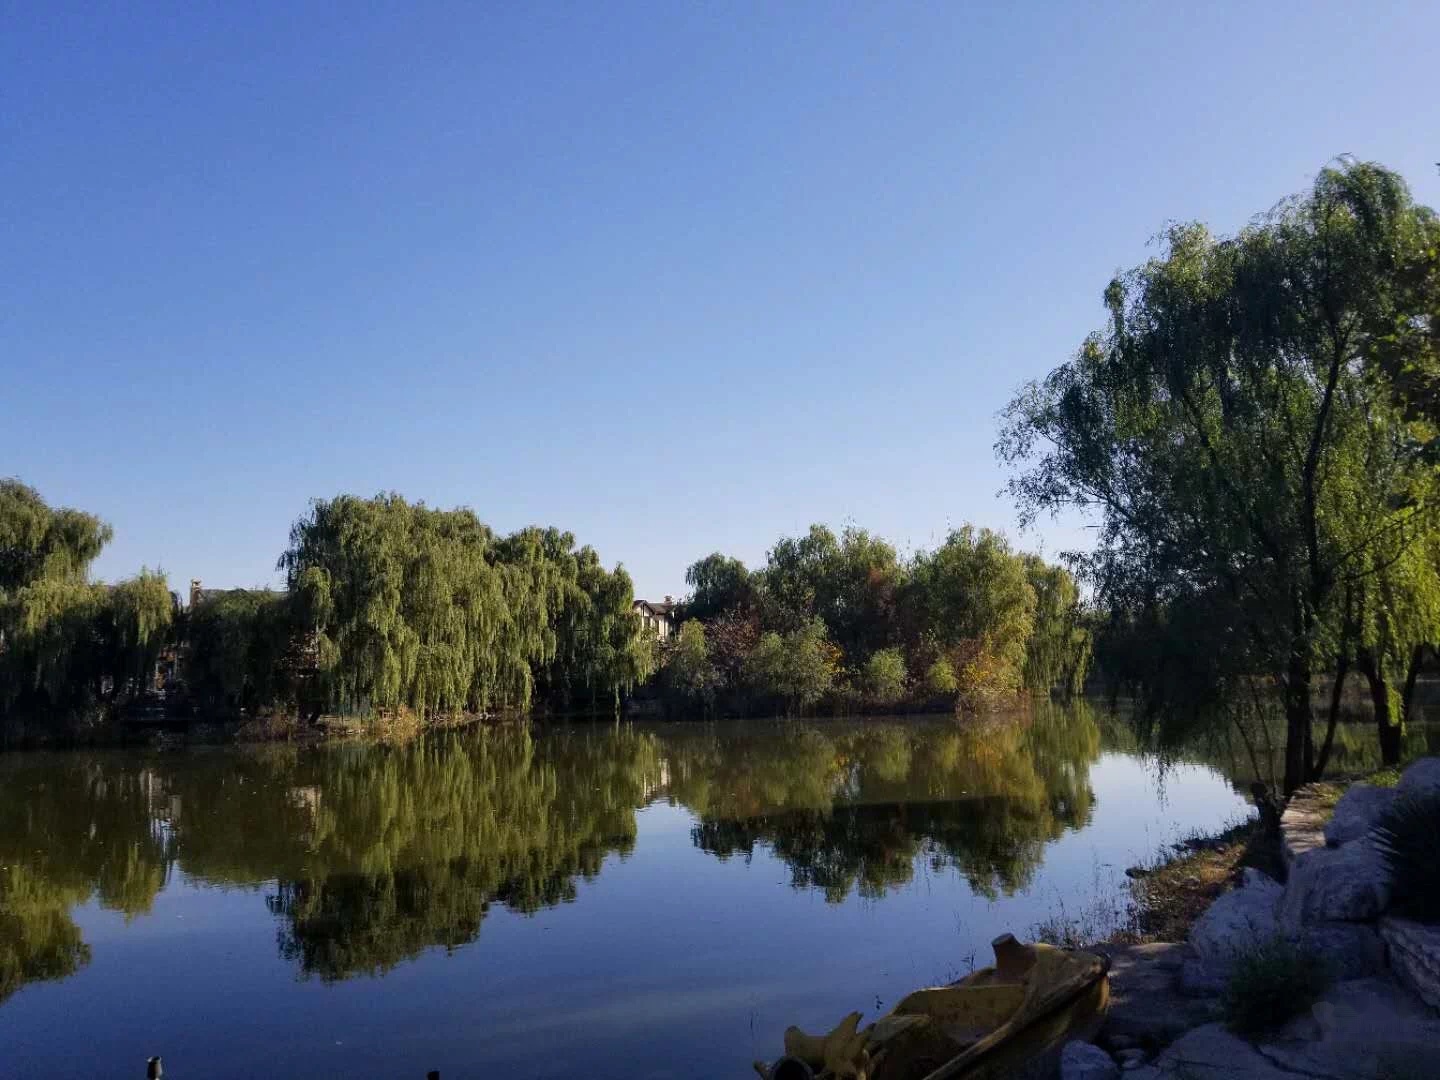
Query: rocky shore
{"x":1379,"y":1019}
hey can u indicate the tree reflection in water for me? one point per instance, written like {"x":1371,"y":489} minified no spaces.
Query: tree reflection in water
{"x":369,"y":856}
{"x":856,"y":807}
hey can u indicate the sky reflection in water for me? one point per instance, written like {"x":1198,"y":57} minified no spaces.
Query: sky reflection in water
{"x":642,"y":901}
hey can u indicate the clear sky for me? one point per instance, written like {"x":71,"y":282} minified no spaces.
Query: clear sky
{"x":674,"y":276}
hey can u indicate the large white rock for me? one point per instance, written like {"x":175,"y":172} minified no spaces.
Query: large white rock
{"x":1145,"y":1005}
{"x":1421,"y":778}
{"x":1237,"y":922}
{"x":1086,"y":1061}
{"x":1350,"y":950}
{"x":1212,"y":1053}
{"x":1364,"y":1028}
{"x":1357,"y":812}
{"x":1346,"y":884}
{"x":1414,"y":956}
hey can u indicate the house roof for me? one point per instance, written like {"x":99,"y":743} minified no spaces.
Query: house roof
{"x":659,"y":607}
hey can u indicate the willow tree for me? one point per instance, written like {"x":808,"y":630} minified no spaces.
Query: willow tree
{"x":69,"y":646}
{"x":1057,"y":654}
{"x":47,"y":603}
{"x":1209,"y":425}
{"x":1389,"y":626}
{"x":137,"y":615}
{"x":39,"y":542}
{"x":604,"y":651}
{"x":585,"y":641}
{"x":407,"y":608}
{"x":427,"y":609}
{"x":238,"y":642}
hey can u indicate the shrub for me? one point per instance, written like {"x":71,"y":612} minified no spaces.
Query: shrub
{"x":799,"y":668}
{"x":1408,"y":837}
{"x":885,"y":676}
{"x":940,"y":678}
{"x":1271,"y":985}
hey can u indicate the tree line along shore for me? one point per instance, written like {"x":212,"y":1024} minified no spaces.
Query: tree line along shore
{"x":395,"y":608}
{"x":1255,"y":430}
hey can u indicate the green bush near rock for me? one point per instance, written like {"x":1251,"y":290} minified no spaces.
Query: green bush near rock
{"x":1408,"y":838}
{"x":1271,"y":985}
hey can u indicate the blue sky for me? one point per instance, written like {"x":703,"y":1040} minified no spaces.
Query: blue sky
{"x":675,"y":276}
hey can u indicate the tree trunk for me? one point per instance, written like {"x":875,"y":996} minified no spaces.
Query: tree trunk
{"x":1298,"y":718}
{"x":1389,"y":732}
{"x":1337,"y":691}
{"x":1407,"y":697}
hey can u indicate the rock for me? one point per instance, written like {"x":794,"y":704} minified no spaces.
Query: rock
{"x":1084,"y":1061}
{"x":1361,"y":1028}
{"x":1346,"y":884}
{"x":1357,"y":812}
{"x":1199,"y":981}
{"x":1251,"y":878}
{"x":1143,"y":1072}
{"x":1421,"y":778}
{"x":1237,"y":921}
{"x":1302,"y":825}
{"x":1131,"y":1059}
{"x":1212,"y":1053}
{"x":1351,"y":950}
{"x":1146,"y":1006}
{"x":1414,"y":956}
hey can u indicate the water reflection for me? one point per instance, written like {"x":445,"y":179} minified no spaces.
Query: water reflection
{"x":369,"y":856}
{"x":856,"y":809}
{"x":69,"y":830}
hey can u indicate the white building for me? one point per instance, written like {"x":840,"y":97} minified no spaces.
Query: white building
{"x":658,"y":616}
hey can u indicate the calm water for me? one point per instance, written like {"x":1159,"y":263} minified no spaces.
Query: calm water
{"x":636,"y":901}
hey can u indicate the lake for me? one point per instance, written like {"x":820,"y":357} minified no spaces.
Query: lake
{"x":629,"y":900}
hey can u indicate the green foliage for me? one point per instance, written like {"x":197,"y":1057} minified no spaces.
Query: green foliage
{"x":1234,"y":432}
{"x":989,"y":623}
{"x":69,"y":648}
{"x":425,"y":609}
{"x":688,"y":670}
{"x":940,"y":680}
{"x":849,"y":582}
{"x":718,"y":584}
{"x":1271,"y":985}
{"x":39,"y":543}
{"x":885,"y":677}
{"x":972,"y":597}
{"x":797,"y":667}
{"x":1057,"y":653}
{"x":239,"y":641}
{"x":1408,"y":838}
{"x":138,"y":614}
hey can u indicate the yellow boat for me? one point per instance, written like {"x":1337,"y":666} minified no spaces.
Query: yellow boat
{"x":996,"y":1024}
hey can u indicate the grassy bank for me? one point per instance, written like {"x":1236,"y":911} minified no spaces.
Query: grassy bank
{"x":1171,"y":893}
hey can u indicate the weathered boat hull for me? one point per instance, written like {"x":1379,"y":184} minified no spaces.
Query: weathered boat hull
{"x":1003,"y":1022}
{"x":1032,"y":1049}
